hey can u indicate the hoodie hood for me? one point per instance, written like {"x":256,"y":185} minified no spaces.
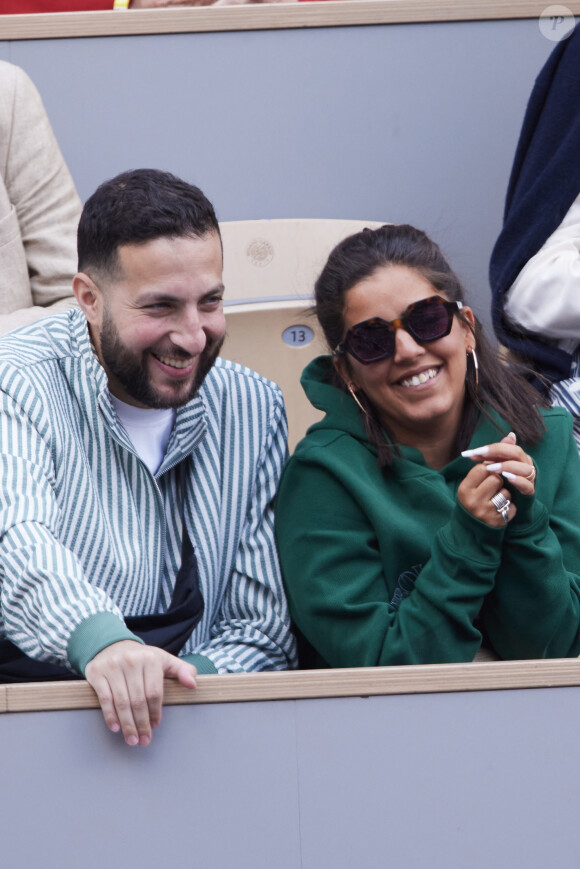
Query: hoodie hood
{"x":344,"y":417}
{"x":342,"y":413}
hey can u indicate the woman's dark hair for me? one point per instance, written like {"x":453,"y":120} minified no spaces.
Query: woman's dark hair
{"x":357,"y":258}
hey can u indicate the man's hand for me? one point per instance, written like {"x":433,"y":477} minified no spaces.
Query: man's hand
{"x":128,"y":680}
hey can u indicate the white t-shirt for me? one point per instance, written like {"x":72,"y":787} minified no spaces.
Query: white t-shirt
{"x":149,"y":430}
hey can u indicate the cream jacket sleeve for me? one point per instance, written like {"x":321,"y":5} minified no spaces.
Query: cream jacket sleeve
{"x":545,"y":297}
{"x":39,"y":208}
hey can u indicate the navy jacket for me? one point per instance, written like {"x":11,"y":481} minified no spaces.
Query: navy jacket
{"x":544,"y":182}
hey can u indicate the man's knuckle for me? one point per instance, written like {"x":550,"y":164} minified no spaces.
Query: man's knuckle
{"x":154,"y":694}
{"x":122,"y":704}
{"x":136,"y":655}
{"x":139,"y":705}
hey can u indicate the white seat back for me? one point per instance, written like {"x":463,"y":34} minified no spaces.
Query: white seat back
{"x":270,"y":267}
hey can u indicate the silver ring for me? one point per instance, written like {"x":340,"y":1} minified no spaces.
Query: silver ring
{"x":502,"y":505}
{"x":499,"y":501}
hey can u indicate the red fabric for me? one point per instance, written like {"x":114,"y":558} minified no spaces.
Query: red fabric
{"x":14,"y":7}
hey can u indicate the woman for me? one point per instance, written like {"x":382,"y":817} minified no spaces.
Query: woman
{"x":436,"y":508}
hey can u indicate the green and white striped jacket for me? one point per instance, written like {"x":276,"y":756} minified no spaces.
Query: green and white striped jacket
{"x":88,"y":535}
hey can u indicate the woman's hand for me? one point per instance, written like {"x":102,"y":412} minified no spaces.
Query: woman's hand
{"x":496,"y":463}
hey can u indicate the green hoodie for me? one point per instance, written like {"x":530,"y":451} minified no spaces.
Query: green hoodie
{"x":386,"y":567}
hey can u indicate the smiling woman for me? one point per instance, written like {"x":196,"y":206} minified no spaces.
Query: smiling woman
{"x":416,"y":386}
{"x":433,"y":514}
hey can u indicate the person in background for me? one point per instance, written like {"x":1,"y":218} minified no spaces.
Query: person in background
{"x":25,"y":7}
{"x":433,"y":513}
{"x":137,"y":469}
{"x":39,"y":208}
{"x":14,"y":7}
{"x":535,"y":264}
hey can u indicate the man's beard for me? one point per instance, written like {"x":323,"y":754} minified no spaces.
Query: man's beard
{"x":130,"y":368}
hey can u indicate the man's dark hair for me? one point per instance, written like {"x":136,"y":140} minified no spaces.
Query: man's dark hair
{"x":136,"y":207}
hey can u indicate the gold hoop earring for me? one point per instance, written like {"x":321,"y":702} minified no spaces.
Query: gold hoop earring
{"x":471,"y":352}
{"x":354,"y":395}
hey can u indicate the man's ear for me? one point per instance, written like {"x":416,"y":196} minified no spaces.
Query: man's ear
{"x":89,"y":297}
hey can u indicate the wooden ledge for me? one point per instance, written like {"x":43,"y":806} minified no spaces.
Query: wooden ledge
{"x":265,"y":16}
{"x":314,"y":684}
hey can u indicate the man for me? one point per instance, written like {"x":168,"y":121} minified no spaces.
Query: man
{"x":137,"y":469}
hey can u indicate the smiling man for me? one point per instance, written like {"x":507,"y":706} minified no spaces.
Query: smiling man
{"x":138,"y":469}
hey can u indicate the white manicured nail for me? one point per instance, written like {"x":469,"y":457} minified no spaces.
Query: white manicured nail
{"x":479,"y":451}
{"x":494,"y":468}
{"x":508,"y":475}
